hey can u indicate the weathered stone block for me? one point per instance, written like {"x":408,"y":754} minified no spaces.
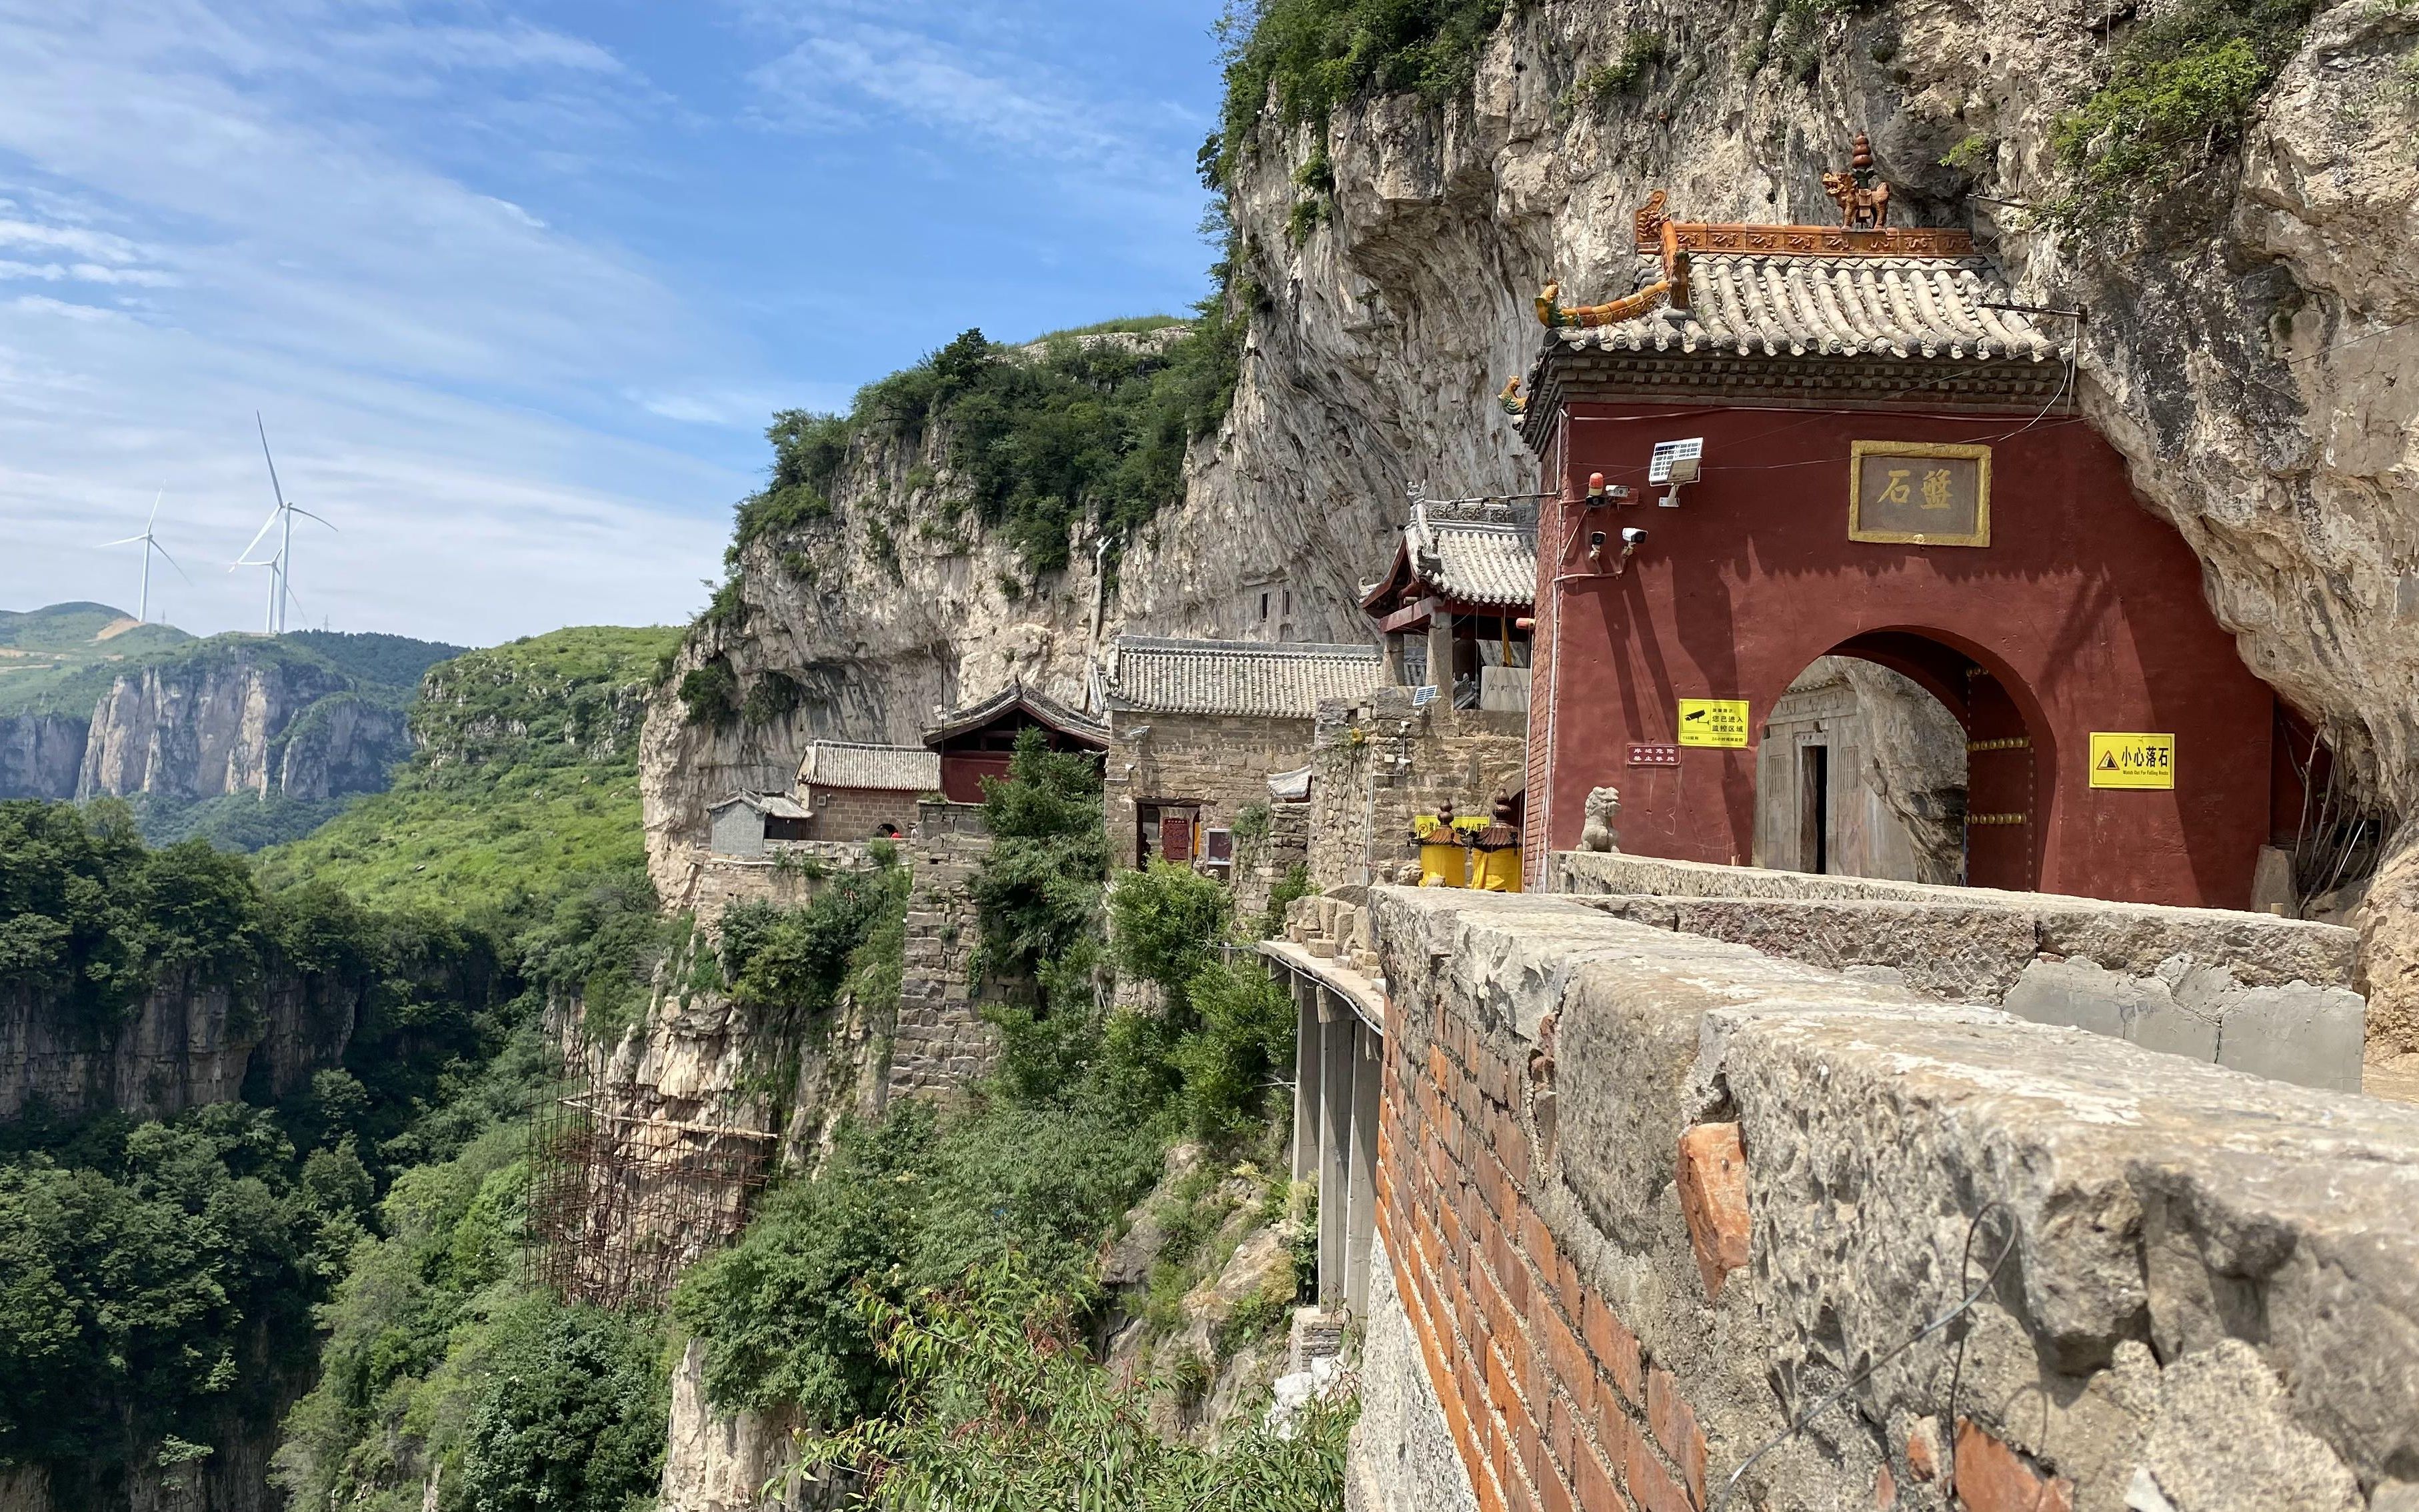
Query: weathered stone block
{"x":1960,"y":953}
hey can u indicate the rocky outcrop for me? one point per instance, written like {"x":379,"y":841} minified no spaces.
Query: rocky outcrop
{"x":42,"y":755}
{"x":724,"y":1461}
{"x":187,"y":1043}
{"x":205,"y":728}
{"x":343,"y":743}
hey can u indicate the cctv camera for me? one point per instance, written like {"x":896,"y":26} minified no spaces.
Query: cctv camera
{"x":1596,"y":538}
{"x":1632,"y":536}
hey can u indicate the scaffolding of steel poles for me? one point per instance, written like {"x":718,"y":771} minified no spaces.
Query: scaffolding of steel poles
{"x":620,"y":1206}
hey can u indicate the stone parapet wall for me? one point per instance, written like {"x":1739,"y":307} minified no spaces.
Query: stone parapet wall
{"x":2254,"y":992}
{"x":1377,"y":761}
{"x":941,"y":1042}
{"x":786,"y":875}
{"x":1648,"y":1197}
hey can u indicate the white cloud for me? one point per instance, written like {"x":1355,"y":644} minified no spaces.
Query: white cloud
{"x":442,"y":372}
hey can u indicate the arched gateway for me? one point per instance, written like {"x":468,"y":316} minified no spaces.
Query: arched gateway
{"x":1891,"y":469}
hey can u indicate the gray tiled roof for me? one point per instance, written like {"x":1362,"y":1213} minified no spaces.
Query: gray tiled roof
{"x":1908,"y":308}
{"x":832,"y":763}
{"x":781,"y":806}
{"x":1283,"y":679}
{"x":1479,"y":552}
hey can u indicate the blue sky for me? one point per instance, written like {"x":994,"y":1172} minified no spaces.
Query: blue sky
{"x":517,"y":286}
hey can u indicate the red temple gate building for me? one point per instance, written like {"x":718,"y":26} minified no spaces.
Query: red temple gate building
{"x":1889,"y":467}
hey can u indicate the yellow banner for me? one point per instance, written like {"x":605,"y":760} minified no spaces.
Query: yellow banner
{"x":2133,"y":759}
{"x":1713,"y":722}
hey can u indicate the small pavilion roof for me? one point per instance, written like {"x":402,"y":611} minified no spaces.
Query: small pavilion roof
{"x":1867,"y":313}
{"x":1934,"y":309}
{"x":1014,"y":699}
{"x":1276,"y":679}
{"x":1478,"y":553}
{"x":775,"y":805}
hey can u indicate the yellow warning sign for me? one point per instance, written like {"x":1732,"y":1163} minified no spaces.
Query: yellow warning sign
{"x":1713,"y":722}
{"x":2133,"y":759}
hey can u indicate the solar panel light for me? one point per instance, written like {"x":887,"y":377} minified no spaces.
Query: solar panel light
{"x":1673,"y":464}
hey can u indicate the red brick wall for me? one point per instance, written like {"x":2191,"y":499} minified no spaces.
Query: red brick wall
{"x":1553,"y":1402}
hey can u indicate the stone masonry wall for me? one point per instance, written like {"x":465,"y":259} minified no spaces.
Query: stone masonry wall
{"x":942,"y":1042}
{"x":1258,"y":873}
{"x":1376,"y":762}
{"x":1649,"y":1198}
{"x":2261,"y":994}
{"x":786,"y":876}
{"x":1220,"y":761}
{"x":859,"y":814}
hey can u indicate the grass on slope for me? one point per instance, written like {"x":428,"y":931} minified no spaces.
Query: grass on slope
{"x":44,"y":649}
{"x":527,"y":779}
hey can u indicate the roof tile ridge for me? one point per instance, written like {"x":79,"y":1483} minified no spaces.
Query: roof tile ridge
{"x":1903,"y":324}
{"x":1936,"y":327}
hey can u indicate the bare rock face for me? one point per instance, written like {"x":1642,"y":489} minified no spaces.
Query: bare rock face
{"x":205,"y":729}
{"x":184,"y":1045}
{"x":42,"y":755}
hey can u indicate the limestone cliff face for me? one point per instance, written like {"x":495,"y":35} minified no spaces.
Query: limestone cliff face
{"x":2249,"y":352}
{"x":186,"y":1044}
{"x":206,"y":728}
{"x":42,"y":755}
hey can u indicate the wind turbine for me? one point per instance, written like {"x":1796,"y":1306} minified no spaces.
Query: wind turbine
{"x":151,"y":543}
{"x":280,"y":566}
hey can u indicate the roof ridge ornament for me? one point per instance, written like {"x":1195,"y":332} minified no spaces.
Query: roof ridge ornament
{"x":1863,"y":197}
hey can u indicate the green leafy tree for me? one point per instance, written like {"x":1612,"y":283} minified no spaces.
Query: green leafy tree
{"x":1164,"y":923}
{"x":572,"y":1420}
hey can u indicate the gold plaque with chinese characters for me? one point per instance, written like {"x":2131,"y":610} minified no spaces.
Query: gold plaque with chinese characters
{"x":1916,"y":494}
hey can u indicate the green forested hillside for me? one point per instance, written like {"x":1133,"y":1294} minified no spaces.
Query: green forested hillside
{"x":158,"y":1280}
{"x":526,"y":778}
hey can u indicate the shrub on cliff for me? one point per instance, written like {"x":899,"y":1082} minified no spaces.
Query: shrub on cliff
{"x":999,"y":1404}
{"x":1165,"y":922}
{"x":1305,"y":58}
{"x":1084,"y":427}
{"x":902,"y":1203}
{"x":2182,"y":88}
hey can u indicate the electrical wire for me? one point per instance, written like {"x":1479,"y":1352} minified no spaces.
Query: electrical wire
{"x":1963,"y":1304}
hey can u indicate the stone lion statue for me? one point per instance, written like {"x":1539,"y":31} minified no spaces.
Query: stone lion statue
{"x":1603,"y":805}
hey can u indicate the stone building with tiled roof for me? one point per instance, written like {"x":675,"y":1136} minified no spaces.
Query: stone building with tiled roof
{"x":1463,"y":580}
{"x":1197,"y":727}
{"x":856,"y":792}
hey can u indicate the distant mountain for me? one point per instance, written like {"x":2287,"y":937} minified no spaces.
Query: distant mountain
{"x":44,"y":649}
{"x":242,"y":739}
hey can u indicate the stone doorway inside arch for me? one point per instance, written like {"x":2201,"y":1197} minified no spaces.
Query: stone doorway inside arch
{"x":1898,"y":757}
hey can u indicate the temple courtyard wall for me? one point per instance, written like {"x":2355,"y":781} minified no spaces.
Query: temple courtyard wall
{"x":1377,"y":760}
{"x":1646,"y":1200}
